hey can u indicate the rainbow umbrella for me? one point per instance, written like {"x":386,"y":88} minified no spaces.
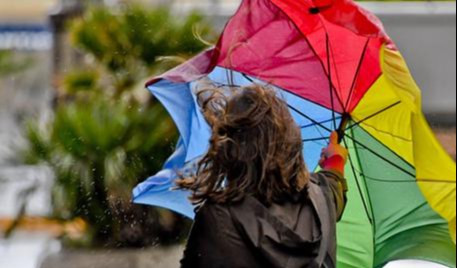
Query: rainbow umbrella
{"x":338,"y":70}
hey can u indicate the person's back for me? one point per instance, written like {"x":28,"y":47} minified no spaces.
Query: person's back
{"x":258,"y":205}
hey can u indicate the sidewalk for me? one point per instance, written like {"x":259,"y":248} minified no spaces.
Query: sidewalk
{"x":167,"y":257}
{"x":26,"y":250}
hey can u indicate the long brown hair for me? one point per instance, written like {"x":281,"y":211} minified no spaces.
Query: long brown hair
{"x":255,"y":148}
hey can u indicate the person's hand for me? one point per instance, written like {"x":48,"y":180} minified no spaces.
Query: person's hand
{"x":335,"y":156}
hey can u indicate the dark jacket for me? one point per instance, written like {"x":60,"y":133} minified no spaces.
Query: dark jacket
{"x":298,"y":233}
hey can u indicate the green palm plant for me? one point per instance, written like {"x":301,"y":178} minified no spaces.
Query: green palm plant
{"x":105,"y":137}
{"x":99,"y":150}
{"x":132,"y":44}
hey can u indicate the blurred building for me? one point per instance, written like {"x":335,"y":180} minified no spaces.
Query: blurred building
{"x":25,"y":11}
{"x":426,"y":35}
{"x":26,"y":37}
{"x":23,"y":24}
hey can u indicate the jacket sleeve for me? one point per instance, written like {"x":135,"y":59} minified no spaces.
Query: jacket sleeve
{"x":337,"y":188}
{"x":212,"y":232}
{"x":195,"y":248}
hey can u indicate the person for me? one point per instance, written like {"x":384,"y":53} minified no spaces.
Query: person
{"x":258,"y":206}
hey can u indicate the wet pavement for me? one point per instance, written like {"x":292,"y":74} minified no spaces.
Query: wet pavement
{"x":26,"y":250}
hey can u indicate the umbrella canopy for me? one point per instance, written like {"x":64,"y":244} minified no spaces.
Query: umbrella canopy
{"x":338,"y":70}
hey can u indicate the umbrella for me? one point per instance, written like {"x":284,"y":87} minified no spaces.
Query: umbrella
{"x":337,"y":69}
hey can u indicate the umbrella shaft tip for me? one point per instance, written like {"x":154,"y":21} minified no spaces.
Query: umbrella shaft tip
{"x":343,"y":125}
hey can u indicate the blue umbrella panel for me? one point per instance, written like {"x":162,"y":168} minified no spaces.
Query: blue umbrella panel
{"x":180,"y":100}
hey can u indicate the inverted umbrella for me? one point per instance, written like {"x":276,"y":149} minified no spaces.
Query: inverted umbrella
{"x":337,"y":70}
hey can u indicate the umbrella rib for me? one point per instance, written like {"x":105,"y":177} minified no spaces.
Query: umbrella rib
{"x":384,"y":180}
{"x":315,"y":53}
{"x":319,"y":58}
{"x":332,"y":99}
{"x":375,"y":228}
{"x":228,"y":74}
{"x":309,"y":118}
{"x":315,"y":122}
{"x":392,"y":151}
{"x":333,"y":88}
{"x":371,"y":178}
{"x":359,"y":67}
{"x":337,"y":73}
{"x":365,"y":206}
{"x":322,"y":122}
{"x":320,"y":132}
{"x":315,"y":139}
{"x":436,"y":181}
{"x":374,"y":115}
{"x":382,"y":157}
{"x":388,"y":133}
{"x":247,"y":77}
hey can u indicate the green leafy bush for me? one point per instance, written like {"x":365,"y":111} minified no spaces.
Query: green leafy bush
{"x":9,"y":64}
{"x":99,"y":150}
{"x":107,"y":134}
{"x":136,"y":42}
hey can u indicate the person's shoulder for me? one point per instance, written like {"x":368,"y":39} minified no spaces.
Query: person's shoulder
{"x":319,"y":179}
{"x":325,"y":177}
{"x":229,"y":210}
{"x":212,"y":208}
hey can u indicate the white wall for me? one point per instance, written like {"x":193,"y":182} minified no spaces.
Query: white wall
{"x":426,"y":35}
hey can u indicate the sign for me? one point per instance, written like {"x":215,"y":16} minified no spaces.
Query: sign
{"x":25,"y":37}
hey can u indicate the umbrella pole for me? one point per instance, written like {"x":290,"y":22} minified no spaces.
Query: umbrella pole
{"x":342,"y":128}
